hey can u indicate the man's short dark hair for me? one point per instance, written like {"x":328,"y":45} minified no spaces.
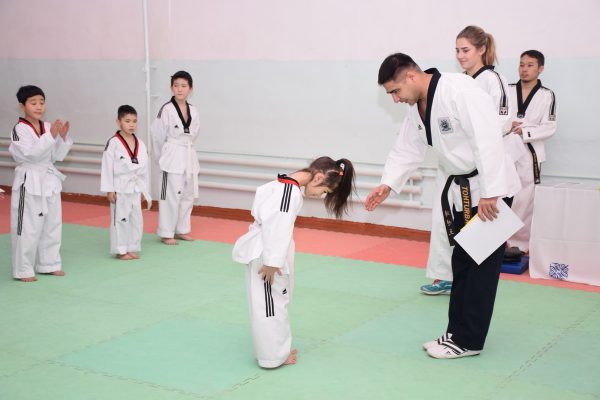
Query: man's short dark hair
{"x":394,"y":65}
{"x":535,"y":54}
{"x":124,"y":110}
{"x":28,"y":91}
{"x":182,"y":75}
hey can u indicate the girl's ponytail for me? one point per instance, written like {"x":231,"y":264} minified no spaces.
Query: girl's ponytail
{"x":337,"y":201}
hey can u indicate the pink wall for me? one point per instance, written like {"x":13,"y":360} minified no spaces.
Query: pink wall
{"x":364,"y":30}
{"x":71,"y":29}
{"x":288,"y":30}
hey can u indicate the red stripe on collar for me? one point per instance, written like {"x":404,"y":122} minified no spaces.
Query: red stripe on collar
{"x":287,"y":179}
{"x":42,"y":128}
{"x":132,"y":154}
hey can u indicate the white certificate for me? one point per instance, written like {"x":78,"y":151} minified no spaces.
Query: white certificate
{"x":480,"y":239}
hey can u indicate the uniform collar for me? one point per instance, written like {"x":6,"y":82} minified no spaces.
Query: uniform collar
{"x":283,"y":178}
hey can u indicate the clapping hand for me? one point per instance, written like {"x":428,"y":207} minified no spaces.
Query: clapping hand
{"x":64,"y":129}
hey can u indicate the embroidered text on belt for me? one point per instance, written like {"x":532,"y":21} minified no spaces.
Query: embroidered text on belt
{"x":465,"y":194}
{"x":536,"y":165}
{"x":191,"y":162}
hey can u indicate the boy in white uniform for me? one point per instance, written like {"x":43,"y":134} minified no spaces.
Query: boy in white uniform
{"x":532,"y":121}
{"x":453,"y":115}
{"x":173,"y":135}
{"x":36,"y":213}
{"x":124,"y":179}
{"x":268,"y":250}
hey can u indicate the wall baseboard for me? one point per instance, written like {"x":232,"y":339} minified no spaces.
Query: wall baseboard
{"x":301,"y":222}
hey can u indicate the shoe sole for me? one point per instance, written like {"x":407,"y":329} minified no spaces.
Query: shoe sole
{"x":436,"y":293}
{"x":471,"y":354}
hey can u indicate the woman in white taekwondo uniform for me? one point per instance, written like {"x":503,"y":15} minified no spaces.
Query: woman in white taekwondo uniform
{"x":268,"y":250}
{"x":450,"y":113}
{"x":36,"y":213}
{"x":124,"y":178}
{"x":476,"y":53}
{"x":532,"y":121}
{"x":173,"y":135}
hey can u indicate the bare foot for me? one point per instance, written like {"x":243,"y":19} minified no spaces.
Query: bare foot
{"x":133,"y":255}
{"x":169,"y":241}
{"x":30,"y":279}
{"x":184,"y":237}
{"x":57,"y":273}
{"x":125,"y":256}
{"x":292,"y":358}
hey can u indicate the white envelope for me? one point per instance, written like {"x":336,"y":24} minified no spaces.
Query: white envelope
{"x":480,"y":239}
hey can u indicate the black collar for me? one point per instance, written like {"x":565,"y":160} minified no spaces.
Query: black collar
{"x":186,"y":124}
{"x":484,"y":68}
{"x":522,"y":107}
{"x":430,"y":93}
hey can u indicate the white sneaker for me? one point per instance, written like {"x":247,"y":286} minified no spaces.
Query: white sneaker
{"x":439,"y":340}
{"x":449,"y":349}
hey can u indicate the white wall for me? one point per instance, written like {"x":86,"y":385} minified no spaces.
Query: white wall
{"x":287,"y":81}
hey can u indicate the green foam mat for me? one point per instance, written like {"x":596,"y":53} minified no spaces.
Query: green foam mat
{"x":174,"y":325}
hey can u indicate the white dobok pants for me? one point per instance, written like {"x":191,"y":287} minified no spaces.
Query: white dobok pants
{"x":126,"y":224}
{"x":268,"y":307}
{"x":523,"y":202}
{"x":176,"y":200}
{"x":36,"y":231}
{"x":440,"y":251}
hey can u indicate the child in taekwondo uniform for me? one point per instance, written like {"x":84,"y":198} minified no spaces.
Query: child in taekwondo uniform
{"x":268,"y":250}
{"x":36,"y":213}
{"x":173,"y":135}
{"x":124,"y":179}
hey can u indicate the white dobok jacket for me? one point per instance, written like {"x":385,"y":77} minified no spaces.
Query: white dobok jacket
{"x":462,"y":127}
{"x":276,"y":205}
{"x":35,"y":156}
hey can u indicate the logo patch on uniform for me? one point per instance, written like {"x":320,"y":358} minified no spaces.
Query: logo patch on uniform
{"x":419,"y":127}
{"x":503,"y":110}
{"x":445,"y":125}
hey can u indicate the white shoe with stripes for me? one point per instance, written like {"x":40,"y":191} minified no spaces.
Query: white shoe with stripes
{"x":449,"y":349}
{"x":439,"y":340}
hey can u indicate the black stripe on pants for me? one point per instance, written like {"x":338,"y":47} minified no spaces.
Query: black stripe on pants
{"x":473,"y":292}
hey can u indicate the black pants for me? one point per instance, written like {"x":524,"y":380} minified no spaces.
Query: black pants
{"x":473,"y":292}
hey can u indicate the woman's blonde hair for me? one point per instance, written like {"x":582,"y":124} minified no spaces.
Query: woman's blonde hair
{"x":479,"y":38}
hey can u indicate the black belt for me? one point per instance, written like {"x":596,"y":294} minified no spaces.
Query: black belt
{"x":465,"y":194}
{"x":536,"y":166}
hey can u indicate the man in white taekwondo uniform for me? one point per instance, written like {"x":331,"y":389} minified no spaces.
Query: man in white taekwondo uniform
{"x":269,"y":242}
{"x":531,"y":122}
{"x":173,"y":145}
{"x":440,"y":250}
{"x":125,"y":172}
{"x":36,"y":213}
{"x":453,"y":115}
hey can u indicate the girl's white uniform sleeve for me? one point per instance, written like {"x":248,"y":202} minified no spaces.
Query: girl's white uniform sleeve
{"x":405,"y":157}
{"x":278,"y":227}
{"x":107,"y":177}
{"x":547,"y":126}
